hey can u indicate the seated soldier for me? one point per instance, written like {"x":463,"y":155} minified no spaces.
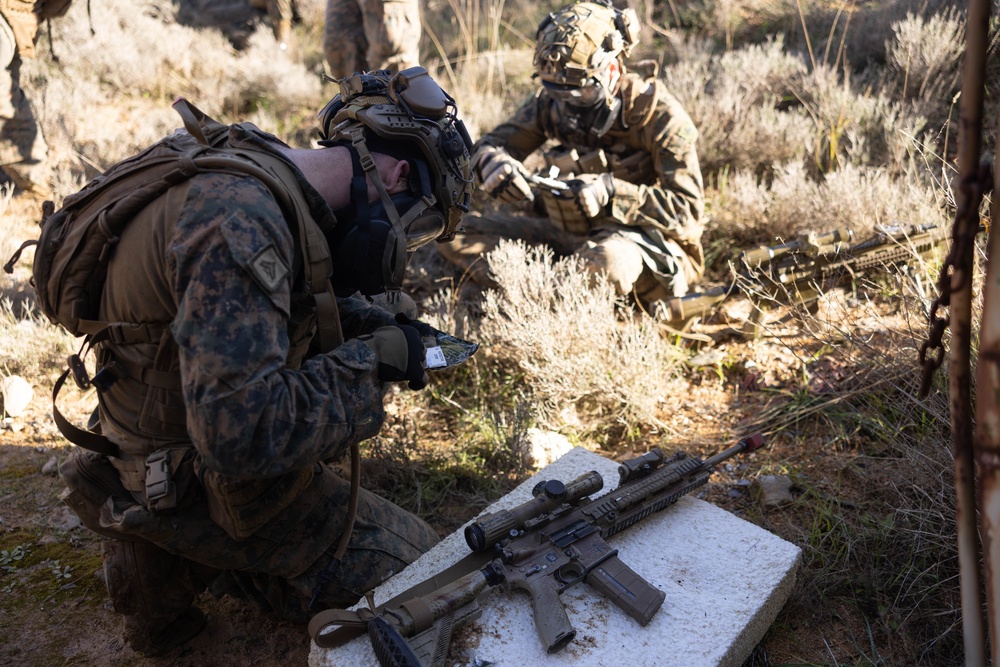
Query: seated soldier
{"x":626,"y":150}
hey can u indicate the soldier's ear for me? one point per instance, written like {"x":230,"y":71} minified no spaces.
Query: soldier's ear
{"x":398,"y":178}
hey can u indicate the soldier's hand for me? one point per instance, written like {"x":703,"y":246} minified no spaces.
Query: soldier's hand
{"x":400,"y":354}
{"x":501,"y":176}
{"x":428,"y":334}
{"x":593,"y":192}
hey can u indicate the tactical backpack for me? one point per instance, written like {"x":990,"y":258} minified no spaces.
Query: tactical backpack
{"x":77,"y":242}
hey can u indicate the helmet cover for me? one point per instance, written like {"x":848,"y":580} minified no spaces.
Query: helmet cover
{"x":574,"y":45}
{"x":408,"y":108}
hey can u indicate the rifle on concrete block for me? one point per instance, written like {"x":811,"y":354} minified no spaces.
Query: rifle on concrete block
{"x":800,"y":271}
{"x":543,"y":546}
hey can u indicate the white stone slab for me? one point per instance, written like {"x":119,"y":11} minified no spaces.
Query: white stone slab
{"x":725,"y":580}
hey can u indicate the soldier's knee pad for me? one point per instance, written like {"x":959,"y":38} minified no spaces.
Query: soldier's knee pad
{"x":620,"y":260}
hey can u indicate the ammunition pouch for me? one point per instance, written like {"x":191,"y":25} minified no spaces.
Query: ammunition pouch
{"x":636,"y":167}
{"x":570,"y":162}
{"x":242,"y":506}
{"x":563,"y":208}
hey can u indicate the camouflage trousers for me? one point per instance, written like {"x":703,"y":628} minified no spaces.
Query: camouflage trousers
{"x":23,"y":151}
{"x":170,"y":557}
{"x":635,"y":262}
{"x":362,"y":35}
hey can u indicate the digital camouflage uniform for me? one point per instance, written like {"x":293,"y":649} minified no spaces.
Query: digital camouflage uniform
{"x":649,"y":244}
{"x":258,"y":512}
{"x":23,"y":151}
{"x":362,"y":35}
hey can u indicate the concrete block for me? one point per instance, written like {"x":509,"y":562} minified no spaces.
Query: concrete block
{"x":725,"y":580}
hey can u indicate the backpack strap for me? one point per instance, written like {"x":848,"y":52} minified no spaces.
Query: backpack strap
{"x":205,"y":129}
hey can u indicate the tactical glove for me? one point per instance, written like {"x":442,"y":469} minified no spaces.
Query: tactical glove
{"x":501,"y":176}
{"x":425,"y":330}
{"x":428,"y":334}
{"x":400,"y":354}
{"x":593,"y":192}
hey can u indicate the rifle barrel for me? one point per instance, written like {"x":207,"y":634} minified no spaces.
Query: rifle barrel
{"x":748,"y":444}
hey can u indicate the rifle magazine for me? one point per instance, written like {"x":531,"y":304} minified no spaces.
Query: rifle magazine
{"x":627,"y":590}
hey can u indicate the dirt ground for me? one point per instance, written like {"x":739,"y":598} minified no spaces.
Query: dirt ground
{"x":54,"y":610}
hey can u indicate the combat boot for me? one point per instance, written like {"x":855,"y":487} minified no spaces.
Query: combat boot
{"x":153,"y":590}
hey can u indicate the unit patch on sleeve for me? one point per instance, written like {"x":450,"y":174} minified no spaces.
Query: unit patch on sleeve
{"x":268,"y":268}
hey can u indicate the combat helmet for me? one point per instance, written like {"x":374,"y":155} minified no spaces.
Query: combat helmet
{"x":409,"y":116}
{"x":574,"y":45}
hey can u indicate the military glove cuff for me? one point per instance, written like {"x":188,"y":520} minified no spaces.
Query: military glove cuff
{"x":400,"y":354}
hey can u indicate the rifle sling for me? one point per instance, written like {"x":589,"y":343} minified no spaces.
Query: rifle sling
{"x":355,"y":623}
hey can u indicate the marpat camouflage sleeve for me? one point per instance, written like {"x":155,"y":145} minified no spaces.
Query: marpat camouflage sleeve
{"x":249,"y":416}
{"x":358,"y":317}
{"x":520,"y":135}
{"x":676,"y":202}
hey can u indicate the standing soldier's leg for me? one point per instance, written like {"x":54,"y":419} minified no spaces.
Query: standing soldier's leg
{"x":393,"y":30}
{"x":23,"y":151}
{"x":280,"y":14}
{"x":344,"y":41}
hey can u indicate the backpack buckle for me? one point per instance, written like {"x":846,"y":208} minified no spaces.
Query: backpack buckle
{"x":159,"y":485}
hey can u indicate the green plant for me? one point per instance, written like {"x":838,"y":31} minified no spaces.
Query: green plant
{"x":11,"y":558}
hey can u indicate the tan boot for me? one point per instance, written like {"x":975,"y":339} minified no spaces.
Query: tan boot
{"x":282,"y":31}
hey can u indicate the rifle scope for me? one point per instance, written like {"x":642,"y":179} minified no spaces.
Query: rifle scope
{"x":809,"y":243}
{"x":549,"y":496}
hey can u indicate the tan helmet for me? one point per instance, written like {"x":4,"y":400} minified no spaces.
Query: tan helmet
{"x":409,"y":107}
{"x":574,"y":45}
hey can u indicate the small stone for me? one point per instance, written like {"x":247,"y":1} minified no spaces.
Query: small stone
{"x":772,"y":490}
{"x":709,"y":357}
{"x":17,"y":395}
{"x":545,"y":447}
{"x":63,"y":519}
{"x":51,"y":467}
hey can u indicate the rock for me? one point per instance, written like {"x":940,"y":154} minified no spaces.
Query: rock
{"x":772,"y":490}
{"x":63,"y":519}
{"x":709,"y":357}
{"x":17,"y":394}
{"x":51,"y":467}
{"x":545,"y":447}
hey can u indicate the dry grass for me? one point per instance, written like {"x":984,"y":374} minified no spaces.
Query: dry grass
{"x":571,"y":340}
{"x":812,"y":115}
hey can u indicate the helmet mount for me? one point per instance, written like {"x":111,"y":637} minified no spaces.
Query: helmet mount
{"x":406,"y":115}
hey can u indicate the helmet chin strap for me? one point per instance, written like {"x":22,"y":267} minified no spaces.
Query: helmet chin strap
{"x":394,"y":256}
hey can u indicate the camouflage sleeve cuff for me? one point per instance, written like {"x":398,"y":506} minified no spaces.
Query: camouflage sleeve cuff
{"x":358,"y":317}
{"x":627,"y":201}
